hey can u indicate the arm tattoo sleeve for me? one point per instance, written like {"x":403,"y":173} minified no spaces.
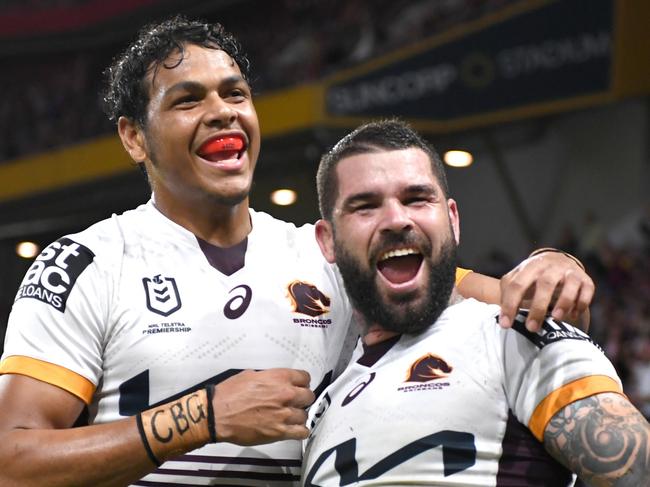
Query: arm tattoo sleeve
{"x":603,"y":439}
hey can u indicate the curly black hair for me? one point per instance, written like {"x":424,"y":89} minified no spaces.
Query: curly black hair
{"x":126,"y":94}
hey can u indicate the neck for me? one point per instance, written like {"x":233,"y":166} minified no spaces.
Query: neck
{"x":374,"y":333}
{"x":377,"y":334}
{"x":221,"y":225}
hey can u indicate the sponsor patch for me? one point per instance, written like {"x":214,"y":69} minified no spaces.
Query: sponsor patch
{"x":552,"y":331}
{"x":53,"y":274}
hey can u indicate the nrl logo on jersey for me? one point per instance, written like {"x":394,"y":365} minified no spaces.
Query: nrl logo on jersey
{"x":308,"y":300}
{"x":52,"y":275}
{"x":162,"y":294}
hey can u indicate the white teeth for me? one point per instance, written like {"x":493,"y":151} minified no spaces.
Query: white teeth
{"x":398,"y":253}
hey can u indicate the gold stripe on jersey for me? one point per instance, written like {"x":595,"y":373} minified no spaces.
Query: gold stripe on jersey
{"x":50,"y":373}
{"x":461,"y":273}
{"x":565,"y":395}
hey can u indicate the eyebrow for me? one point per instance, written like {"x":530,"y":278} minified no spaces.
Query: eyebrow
{"x":413,"y":189}
{"x":421,"y":188}
{"x":184,"y":86}
{"x":197,"y":86}
{"x":358,"y":198}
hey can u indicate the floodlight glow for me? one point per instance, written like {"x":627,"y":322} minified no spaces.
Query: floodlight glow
{"x":284,"y":197}
{"x":458,"y":158}
{"x":27,"y":250}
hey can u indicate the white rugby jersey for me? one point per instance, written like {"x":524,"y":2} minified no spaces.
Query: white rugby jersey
{"x":465,"y":403}
{"x":129,"y":314}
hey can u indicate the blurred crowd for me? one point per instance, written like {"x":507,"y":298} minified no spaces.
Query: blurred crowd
{"x":619,"y":261}
{"x":617,"y":257}
{"x":27,"y":5}
{"x":51,"y":100}
{"x":49,"y":105}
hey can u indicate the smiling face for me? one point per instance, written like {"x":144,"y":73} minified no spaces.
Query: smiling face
{"x":393,"y":235}
{"x":201,"y":138}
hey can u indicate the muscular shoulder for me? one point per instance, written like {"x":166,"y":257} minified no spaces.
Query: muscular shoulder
{"x":100,"y":247}
{"x":472,"y":313}
{"x":132,"y":233}
{"x":299,"y":240}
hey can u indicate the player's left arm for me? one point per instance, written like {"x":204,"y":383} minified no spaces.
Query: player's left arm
{"x":603,"y":439}
{"x":551,"y":280}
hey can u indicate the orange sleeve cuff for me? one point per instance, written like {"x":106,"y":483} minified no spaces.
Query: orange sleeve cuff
{"x":50,"y":373}
{"x":565,"y":395}
{"x":461,"y":273}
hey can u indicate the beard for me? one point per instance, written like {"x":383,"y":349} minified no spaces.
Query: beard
{"x":406,"y":314}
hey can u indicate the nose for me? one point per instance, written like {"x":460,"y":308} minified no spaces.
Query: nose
{"x":219,"y":113}
{"x":395,"y":217}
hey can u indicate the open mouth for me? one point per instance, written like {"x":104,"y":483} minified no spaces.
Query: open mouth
{"x":400,"y":265}
{"x":223,"y":148}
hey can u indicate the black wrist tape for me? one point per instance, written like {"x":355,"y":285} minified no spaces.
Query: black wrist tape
{"x":145,"y":442}
{"x":209,"y":389}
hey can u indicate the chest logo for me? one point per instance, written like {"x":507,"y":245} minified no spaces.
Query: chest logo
{"x":358,"y":389}
{"x":53,"y":274}
{"x":428,"y":368}
{"x":307,"y":299}
{"x":162,"y":295}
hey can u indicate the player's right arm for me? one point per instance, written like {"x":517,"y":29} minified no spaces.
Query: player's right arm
{"x":603,"y":439}
{"x":38,"y":446}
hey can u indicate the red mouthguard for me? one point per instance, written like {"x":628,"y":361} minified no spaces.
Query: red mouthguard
{"x":223,"y":144}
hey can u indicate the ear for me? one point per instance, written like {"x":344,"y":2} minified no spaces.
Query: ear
{"x":325,"y":239}
{"x":454,"y":218}
{"x":132,"y":139}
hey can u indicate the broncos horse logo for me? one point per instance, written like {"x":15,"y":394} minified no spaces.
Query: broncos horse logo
{"x":308,"y":299}
{"x":428,"y":367}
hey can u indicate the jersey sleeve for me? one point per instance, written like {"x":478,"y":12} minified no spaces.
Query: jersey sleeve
{"x":56,"y":327}
{"x":461,"y":274}
{"x":550,"y":369}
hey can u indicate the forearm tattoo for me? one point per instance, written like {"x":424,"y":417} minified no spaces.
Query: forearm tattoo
{"x":603,"y":439}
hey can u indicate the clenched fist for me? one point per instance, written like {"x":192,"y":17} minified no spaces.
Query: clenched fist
{"x":252,"y":408}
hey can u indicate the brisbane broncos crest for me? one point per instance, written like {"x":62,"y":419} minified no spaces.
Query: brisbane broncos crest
{"x":427,"y":368}
{"x":307,"y":299}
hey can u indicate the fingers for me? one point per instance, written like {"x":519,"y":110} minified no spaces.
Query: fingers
{"x":574,"y":297}
{"x":297,"y":392}
{"x":295,"y":425}
{"x":546,"y":281}
{"x":539,"y":303}
{"x":297,"y":377}
{"x":587,"y":291}
{"x":261,"y":407}
{"x":514,"y":286}
{"x":565,"y":300}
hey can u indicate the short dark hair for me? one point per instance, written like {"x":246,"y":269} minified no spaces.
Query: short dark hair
{"x":126,"y":94}
{"x":377,"y":136}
